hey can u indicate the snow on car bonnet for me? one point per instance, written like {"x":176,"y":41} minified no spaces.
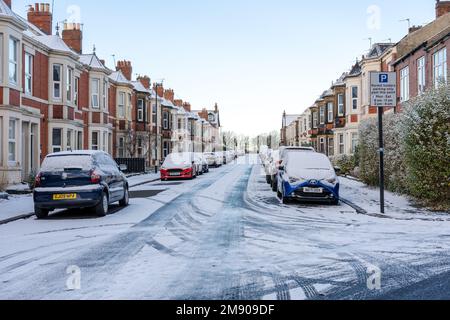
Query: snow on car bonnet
{"x":177,"y":159}
{"x":63,"y":162}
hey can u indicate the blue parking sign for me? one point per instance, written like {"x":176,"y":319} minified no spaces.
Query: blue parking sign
{"x":384,"y":78}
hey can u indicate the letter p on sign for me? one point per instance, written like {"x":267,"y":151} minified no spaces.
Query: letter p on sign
{"x":384,"y":78}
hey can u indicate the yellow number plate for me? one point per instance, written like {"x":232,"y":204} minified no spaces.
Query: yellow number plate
{"x":72,"y":196}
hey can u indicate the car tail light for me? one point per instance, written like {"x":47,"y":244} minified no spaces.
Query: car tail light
{"x":37,"y":180}
{"x":95,"y":177}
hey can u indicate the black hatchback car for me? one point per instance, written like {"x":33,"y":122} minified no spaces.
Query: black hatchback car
{"x":79,"y":179}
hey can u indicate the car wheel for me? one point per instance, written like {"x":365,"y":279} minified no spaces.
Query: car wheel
{"x":335,"y":202}
{"x":41,"y":213}
{"x":268,"y":179}
{"x":102,"y":208}
{"x":126,"y":198}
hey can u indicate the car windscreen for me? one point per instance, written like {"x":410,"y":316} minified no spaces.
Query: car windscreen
{"x":307,"y":161}
{"x":67,"y":162}
{"x":177,"y":159}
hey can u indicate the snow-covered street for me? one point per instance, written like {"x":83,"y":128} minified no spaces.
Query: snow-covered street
{"x":225,"y":235}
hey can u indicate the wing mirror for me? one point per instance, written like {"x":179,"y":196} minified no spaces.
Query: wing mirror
{"x":123,"y":167}
{"x":281,"y":168}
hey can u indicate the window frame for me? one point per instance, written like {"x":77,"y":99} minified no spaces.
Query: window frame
{"x":355,"y":141}
{"x":13,"y":61}
{"x":69,"y":84}
{"x":341,"y":105}
{"x":330,"y":112}
{"x":121,"y":147}
{"x":140,"y":110}
{"x":105,"y":94}
{"x":121,"y":105}
{"x":421,"y":75}
{"x":95,"y":146}
{"x":95,"y":96}
{"x":341,"y":142}
{"x":28,"y":71}
{"x":56,"y":147}
{"x":355,"y":97}
{"x":440,"y":65}
{"x":76,"y":93}
{"x":12,"y":135}
{"x":57,"y":82}
{"x":404,"y":84}
{"x":166,"y":120}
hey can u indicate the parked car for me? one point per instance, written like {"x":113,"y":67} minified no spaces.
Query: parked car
{"x":273,"y":169}
{"x":79,"y":179}
{"x":180,"y":166}
{"x":307,"y":176}
{"x":204,"y":163}
{"x":213,"y":159}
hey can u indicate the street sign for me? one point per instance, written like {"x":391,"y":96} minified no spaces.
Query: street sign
{"x":383,"y":89}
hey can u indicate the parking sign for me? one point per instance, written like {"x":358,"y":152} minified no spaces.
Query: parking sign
{"x":383,"y":89}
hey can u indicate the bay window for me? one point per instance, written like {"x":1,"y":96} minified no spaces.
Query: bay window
{"x":322,"y":115}
{"x":121,"y":108}
{"x":341,"y":106}
{"x":330,"y":112}
{"x":140,"y":110}
{"x":355,"y":95}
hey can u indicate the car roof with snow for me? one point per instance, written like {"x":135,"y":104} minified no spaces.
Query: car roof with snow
{"x":76,"y":153}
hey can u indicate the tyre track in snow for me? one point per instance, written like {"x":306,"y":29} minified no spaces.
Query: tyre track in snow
{"x":100,"y":261}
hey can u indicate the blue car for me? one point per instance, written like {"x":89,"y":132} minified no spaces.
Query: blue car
{"x":308,"y":177}
{"x":79,"y":179}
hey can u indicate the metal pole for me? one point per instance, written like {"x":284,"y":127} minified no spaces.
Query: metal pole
{"x":156,"y":131}
{"x":381,"y":151}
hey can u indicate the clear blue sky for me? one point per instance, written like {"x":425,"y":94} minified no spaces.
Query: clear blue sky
{"x":255,"y":58}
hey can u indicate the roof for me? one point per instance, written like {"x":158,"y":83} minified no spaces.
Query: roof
{"x":138,"y":86}
{"x":92,"y":61}
{"x":355,"y":70}
{"x":167,"y":103}
{"x":54,"y":43}
{"x":378,"y":49}
{"x":117,"y":76}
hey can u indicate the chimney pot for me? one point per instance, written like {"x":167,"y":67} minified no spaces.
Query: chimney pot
{"x":41,"y":17}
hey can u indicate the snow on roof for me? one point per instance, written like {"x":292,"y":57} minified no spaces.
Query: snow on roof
{"x":118,"y":76}
{"x":167,"y":103}
{"x":290,"y":118}
{"x":54,"y":42}
{"x":5,"y":10}
{"x":92,"y":61}
{"x":138,"y":86}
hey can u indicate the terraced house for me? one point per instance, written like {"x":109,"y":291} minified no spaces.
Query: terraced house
{"x":420,"y":62}
{"x":54,"y":97}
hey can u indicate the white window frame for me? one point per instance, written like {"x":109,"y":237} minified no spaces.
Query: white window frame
{"x":121,"y":105}
{"x":55,"y":147}
{"x":341,"y":141}
{"x":69,"y":84}
{"x":330,"y":107}
{"x":12,"y":135}
{"x":166,"y":120}
{"x":165,"y":149}
{"x":355,"y":98}
{"x":421,"y":75}
{"x":28,"y":73}
{"x":79,"y":140}
{"x":76,"y":91}
{"x":404,"y":84}
{"x":57,"y":95}
{"x":315,"y":119}
{"x":341,"y":105}
{"x":13,"y":60}
{"x":95,"y":93}
{"x":105,"y":141}
{"x":440,"y":67}
{"x":96,"y":145}
{"x":105,"y":95}
{"x":140,"y":110}
{"x":69,"y":140}
{"x":322,"y":115}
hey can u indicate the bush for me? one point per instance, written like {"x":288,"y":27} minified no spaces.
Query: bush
{"x":417,"y":149}
{"x":346,"y":163}
{"x":31,"y":179}
{"x":425,"y":128}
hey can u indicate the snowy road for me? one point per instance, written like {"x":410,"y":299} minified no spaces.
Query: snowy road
{"x":226,"y":236}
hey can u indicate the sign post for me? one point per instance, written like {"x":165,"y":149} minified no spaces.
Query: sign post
{"x":383,"y":91}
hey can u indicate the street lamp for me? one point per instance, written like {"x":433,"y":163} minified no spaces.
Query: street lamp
{"x":156,"y":124}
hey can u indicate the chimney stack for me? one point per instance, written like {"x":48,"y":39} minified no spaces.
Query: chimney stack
{"x":169,"y":94}
{"x":8,"y":3}
{"x":145,"y":81}
{"x":73,"y":36}
{"x":187,"y":106}
{"x":41,"y":17}
{"x":126,"y":68}
{"x":442,"y":8}
{"x":178,"y":103}
{"x":159,"y":90}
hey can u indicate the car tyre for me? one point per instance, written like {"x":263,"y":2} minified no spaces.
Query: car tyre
{"x":41,"y":213}
{"x":268,"y":179}
{"x":102,"y":208}
{"x":335,"y":202}
{"x":126,"y":198}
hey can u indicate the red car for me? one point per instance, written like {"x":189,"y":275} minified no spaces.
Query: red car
{"x":179,"y":166}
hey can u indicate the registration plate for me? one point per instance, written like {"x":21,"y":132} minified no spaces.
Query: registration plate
{"x":312,"y":190}
{"x":71,"y":196}
{"x":175,"y":174}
